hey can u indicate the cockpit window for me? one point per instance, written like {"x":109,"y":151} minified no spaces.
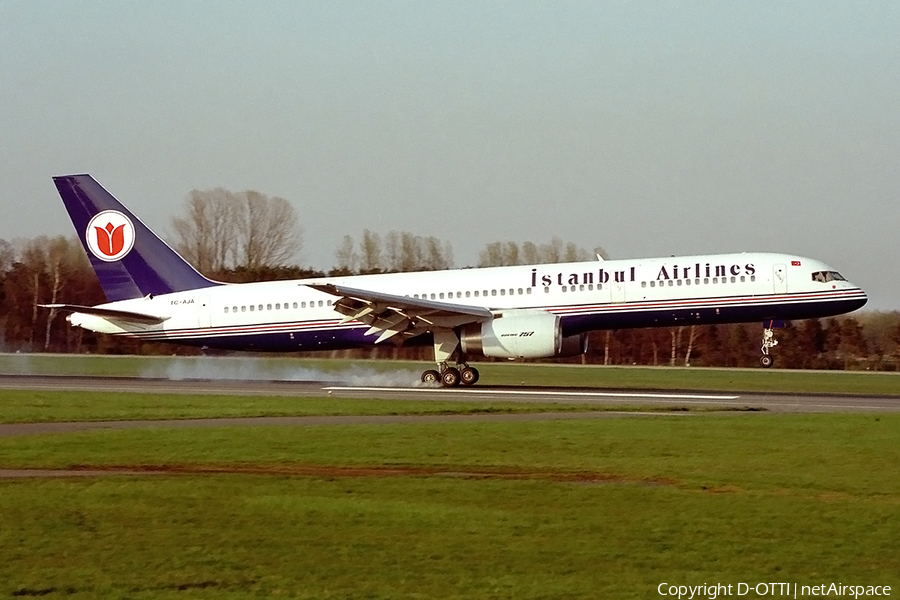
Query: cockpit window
{"x":826,"y":276}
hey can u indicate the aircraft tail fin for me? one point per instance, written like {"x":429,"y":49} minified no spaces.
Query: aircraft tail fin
{"x":130,"y":260}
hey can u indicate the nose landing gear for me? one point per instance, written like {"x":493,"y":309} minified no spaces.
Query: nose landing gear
{"x":768,"y":341}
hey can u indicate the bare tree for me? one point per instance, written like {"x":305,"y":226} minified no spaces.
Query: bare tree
{"x":7,"y":255}
{"x":370,"y":253}
{"x":224,"y":229}
{"x":499,"y":254}
{"x":207,"y":236}
{"x":438,"y":255}
{"x":63,"y":257}
{"x":347,"y":258}
{"x":399,"y":251}
{"x":692,"y":339}
{"x":269,"y":233}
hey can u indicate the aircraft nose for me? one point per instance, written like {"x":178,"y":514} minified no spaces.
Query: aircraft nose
{"x":861,"y":297}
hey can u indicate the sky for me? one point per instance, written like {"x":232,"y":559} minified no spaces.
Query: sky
{"x":647,"y":128}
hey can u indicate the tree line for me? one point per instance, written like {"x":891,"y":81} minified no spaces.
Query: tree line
{"x":248,"y":236}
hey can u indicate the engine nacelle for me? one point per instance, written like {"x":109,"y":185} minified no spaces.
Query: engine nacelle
{"x":516,"y":334}
{"x":574,"y":345}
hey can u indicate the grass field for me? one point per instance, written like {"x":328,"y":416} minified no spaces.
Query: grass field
{"x":603,"y":508}
{"x":562,"y":509}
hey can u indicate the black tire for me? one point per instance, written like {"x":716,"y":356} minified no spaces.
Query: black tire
{"x":431,"y":376}
{"x":766,"y":361}
{"x":450,"y":377}
{"x":469,"y":375}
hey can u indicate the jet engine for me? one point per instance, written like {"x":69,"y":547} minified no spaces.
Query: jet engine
{"x":520,"y":334}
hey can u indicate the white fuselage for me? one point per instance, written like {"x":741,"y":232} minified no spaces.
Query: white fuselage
{"x":289,"y":315}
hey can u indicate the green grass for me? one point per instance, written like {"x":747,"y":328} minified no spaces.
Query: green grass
{"x":513,"y":374}
{"x":563,"y":509}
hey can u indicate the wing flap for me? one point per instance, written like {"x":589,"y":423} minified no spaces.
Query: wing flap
{"x":390,"y":315}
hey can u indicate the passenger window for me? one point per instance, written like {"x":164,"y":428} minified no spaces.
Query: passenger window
{"x":476,"y":293}
{"x":330,"y":302}
{"x":743,"y":279}
{"x":733,"y":279}
{"x":706,"y":280}
{"x":493,"y":292}
{"x":243,"y":309}
{"x":564,"y":288}
{"x":468,"y":294}
{"x":321,"y":303}
{"x":502,"y":292}
{"x":226,"y":310}
{"x":432,"y":295}
{"x":581,"y":288}
{"x":234,"y":309}
{"x":753,"y":278}
{"x":546,"y":290}
{"x":528,"y":290}
{"x":687,"y":282}
{"x":679,"y":282}
{"x":268,"y":307}
{"x":442,"y":295}
{"x":251,"y":308}
{"x":260,"y":308}
{"x":643,"y":284}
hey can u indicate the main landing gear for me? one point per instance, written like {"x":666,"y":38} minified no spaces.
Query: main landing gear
{"x":452,"y":376}
{"x":768,"y":341}
{"x":446,"y":345}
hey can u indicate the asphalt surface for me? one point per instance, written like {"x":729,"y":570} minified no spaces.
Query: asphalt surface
{"x":772,"y":402}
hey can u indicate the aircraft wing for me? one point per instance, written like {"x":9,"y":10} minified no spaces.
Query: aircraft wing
{"x":109,"y":313}
{"x":391,"y":315}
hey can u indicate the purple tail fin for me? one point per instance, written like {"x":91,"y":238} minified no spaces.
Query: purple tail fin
{"x":130,"y":260}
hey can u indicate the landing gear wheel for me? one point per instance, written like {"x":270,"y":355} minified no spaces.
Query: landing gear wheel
{"x":450,"y":377}
{"x":766,"y":360}
{"x":431,"y":376}
{"x":469,"y":375}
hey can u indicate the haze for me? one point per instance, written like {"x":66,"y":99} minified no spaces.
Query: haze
{"x":646,"y":128}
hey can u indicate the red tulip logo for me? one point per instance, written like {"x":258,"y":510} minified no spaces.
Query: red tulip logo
{"x":110,"y":240}
{"x":109,"y":236}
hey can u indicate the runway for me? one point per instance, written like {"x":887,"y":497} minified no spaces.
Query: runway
{"x":769,"y":402}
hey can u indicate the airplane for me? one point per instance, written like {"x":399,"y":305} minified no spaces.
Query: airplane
{"x":532,"y":311}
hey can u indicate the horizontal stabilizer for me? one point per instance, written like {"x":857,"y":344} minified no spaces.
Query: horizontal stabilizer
{"x":108,"y":313}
